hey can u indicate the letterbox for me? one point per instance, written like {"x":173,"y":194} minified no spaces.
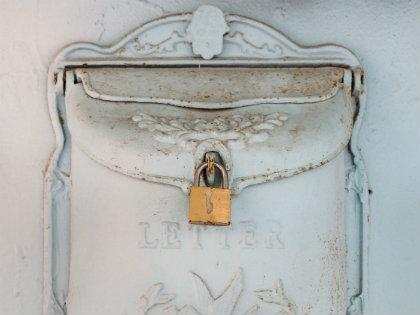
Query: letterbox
{"x":134,"y":123}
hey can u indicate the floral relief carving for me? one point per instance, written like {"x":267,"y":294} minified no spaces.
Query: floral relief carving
{"x":235,"y":131}
{"x":224,"y":304}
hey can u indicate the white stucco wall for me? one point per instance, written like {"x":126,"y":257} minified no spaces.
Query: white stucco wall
{"x":385,"y":35}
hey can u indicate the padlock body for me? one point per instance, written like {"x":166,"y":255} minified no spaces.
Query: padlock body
{"x":210,"y":206}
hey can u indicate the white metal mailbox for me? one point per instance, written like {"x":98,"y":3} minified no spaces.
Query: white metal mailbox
{"x":135,"y":120}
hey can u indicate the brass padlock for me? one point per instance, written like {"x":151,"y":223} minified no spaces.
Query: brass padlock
{"x":209,"y":205}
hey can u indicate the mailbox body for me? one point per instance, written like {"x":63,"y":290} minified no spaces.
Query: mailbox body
{"x":279,"y":115}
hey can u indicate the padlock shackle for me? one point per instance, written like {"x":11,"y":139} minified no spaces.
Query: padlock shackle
{"x":225,"y":182}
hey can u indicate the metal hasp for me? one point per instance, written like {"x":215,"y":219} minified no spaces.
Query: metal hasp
{"x":246,"y":99}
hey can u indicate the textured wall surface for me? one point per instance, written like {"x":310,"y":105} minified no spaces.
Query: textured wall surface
{"x":385,"y":35}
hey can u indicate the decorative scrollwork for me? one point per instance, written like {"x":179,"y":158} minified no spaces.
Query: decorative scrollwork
{"x":168,"y":45}
{"x":247,"y":47}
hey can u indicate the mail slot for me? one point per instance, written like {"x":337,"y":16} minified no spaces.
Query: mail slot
{"x":137,"y":121}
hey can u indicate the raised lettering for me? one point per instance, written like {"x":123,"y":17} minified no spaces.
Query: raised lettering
{"x":248,"y":229}
{"x":144,"y":243}
{"x":170,"y":235}
{"x":195,"y":240}
{"x":272,"y":240}
{"x":223,"y":239}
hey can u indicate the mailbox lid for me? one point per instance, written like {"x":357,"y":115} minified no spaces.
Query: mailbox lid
{"x":211,"y":87}
{"x":156,"y":124}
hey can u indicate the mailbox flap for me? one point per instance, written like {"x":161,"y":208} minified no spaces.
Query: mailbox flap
{"x":211,"y":88}
{"x":157,"y":123}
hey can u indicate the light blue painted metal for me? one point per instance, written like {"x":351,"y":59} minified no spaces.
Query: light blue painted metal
{"x":57,"y":186}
